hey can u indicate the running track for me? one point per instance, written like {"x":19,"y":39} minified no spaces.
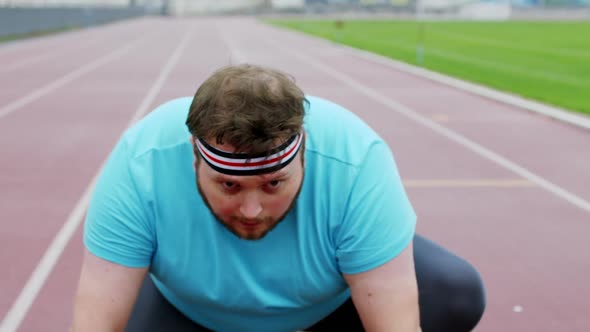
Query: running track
{"x":505,"y":188}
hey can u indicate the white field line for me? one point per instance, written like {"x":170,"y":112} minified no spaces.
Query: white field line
{"x":21,"y":306}
{"x":426,"y":122}
{"x":513,"y":100}
{"x":500,"y":66}
{"x":511,"y":69}
{"x":68,"y":78}
{"x":512,"y":46}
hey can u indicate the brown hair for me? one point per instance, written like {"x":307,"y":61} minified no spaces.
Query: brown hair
{"x":250,"y":107}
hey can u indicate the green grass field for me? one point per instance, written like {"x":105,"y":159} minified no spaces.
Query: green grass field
{"x":544,"y":61}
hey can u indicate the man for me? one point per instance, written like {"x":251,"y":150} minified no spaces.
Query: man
{"x":269,"y":211}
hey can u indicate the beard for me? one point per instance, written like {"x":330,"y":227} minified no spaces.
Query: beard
{"x":267,"y":223}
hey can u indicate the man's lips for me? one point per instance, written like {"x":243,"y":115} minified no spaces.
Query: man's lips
{"x":250,"y":223}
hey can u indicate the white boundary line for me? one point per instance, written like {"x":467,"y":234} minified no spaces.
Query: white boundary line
{"x":21,"y":306}
{"x":513,"y":100}
{"x":67,"y":78}
{"x":235,"y":56}
{"x":426,"y":122}
{"x":468,"y":183}
{"x":27,"y":62}
{"x":11,"y":46}
{"x":40,"y":57}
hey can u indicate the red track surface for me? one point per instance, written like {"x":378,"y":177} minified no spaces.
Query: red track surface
{"x":59,"y":118}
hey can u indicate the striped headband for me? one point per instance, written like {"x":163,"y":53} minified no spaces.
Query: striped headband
{"x":249,"y":164}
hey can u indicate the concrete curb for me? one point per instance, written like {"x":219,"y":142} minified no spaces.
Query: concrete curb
{"x":533,"y":106}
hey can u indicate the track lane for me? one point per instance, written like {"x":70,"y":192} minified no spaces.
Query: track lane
{"x":194,"y":62}
{"x":57,"y":145}
{"x":43,"y":78}
{"x":527,"y":240}
{"x":516,"y":236}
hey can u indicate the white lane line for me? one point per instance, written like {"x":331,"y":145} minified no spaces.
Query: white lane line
{"x":164,"y":73}
{"x":29,"y":293}
{"x":68,"y":78}
{"x":471,"y":183}
{"x":235,"y":56}
{"x":480,"y":90}
{"x":39,"y":58}
{"x":25,"y":62}
{"x":25,"y":44}
{"x":512,"y":46}
{"x":453,"y":136}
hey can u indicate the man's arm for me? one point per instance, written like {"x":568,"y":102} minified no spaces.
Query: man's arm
{"x":106,"y":295}
{"x":386,"y":297}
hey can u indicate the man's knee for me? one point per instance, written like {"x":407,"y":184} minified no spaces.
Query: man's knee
{"x":451,"y":292}
{"x":464,"y":297}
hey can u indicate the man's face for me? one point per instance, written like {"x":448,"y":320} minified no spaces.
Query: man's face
{"x":250,"y":206}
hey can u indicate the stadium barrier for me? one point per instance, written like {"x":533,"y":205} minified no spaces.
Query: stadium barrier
{"x":19,"y":21}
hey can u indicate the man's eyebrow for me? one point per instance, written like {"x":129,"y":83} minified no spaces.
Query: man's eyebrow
{"x":276,"y":175}
{"x":223,"y":177}
{"x":264,"y":177}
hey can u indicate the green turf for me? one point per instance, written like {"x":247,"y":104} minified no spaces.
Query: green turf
{"x":546,"y":61}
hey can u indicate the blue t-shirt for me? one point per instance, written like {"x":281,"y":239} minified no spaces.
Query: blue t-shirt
{"x":352,"y":215}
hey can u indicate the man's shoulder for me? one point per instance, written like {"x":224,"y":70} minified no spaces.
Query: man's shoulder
{"x":319,"y":108}
{"x":336,"y":132}
{"x":168,"y":115}
{"x":163,"y":127}
{"x":323,"y":114}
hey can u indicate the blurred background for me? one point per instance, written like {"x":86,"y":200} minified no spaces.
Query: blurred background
{"x":27,"y":16}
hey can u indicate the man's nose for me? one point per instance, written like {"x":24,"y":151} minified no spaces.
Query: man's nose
{"x":251,"y":206}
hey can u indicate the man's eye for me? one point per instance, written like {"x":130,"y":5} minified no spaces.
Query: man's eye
{"x":274,"y":184}
{"x":229,"y":185}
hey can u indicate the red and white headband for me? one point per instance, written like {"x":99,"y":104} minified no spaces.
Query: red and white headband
{"x":249,"y":164}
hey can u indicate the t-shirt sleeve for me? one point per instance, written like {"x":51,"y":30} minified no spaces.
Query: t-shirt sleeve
{"x":118,"y":225}
{"x":379,"y":221}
